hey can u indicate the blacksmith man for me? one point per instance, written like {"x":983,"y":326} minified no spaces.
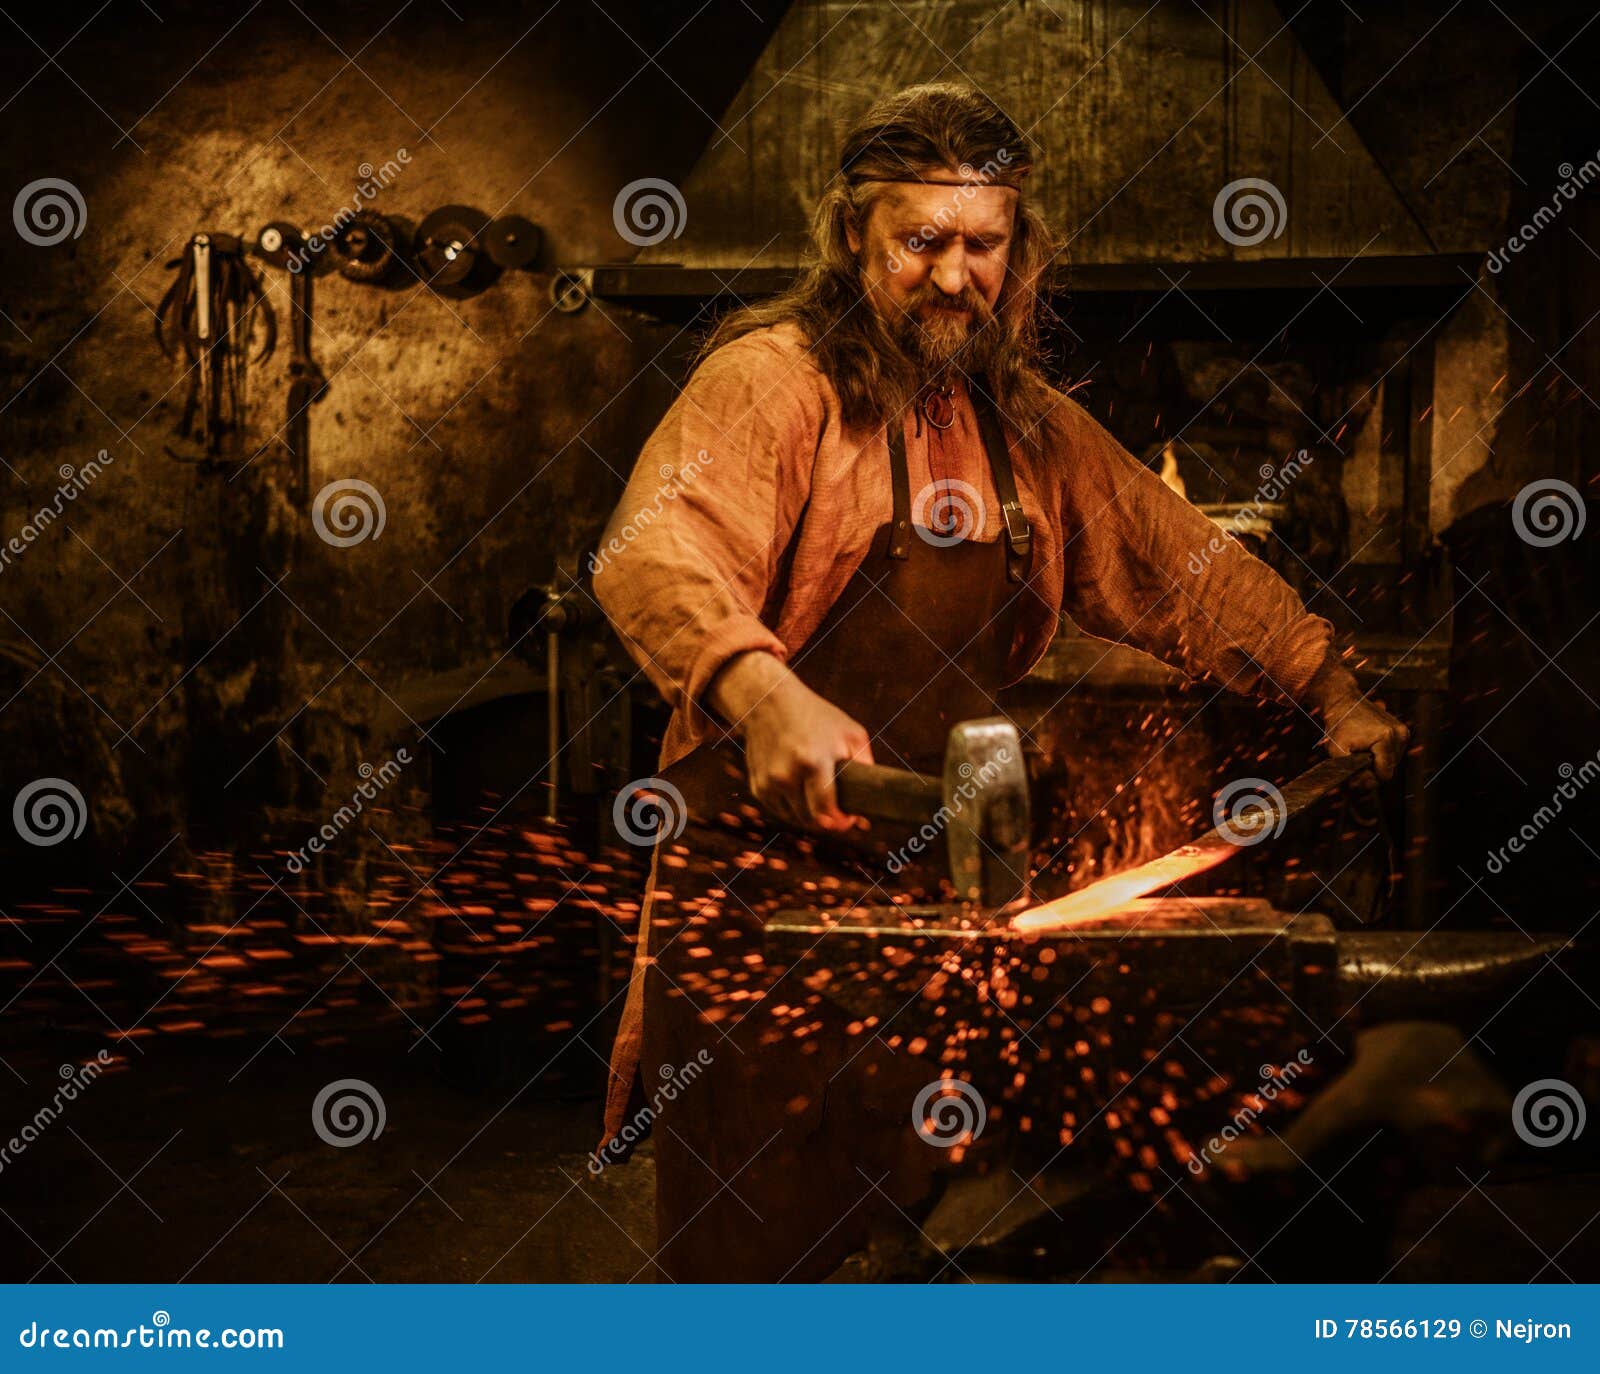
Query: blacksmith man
{"x":893,"y":509}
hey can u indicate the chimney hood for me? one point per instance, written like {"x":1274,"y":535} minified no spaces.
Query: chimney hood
{"x":1143,"y":117}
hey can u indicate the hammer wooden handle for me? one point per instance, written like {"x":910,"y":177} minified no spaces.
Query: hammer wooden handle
{"x":889,"y":794}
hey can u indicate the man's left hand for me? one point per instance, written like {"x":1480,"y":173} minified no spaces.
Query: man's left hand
{"x":1356,"y":723}
{"x":1350,"y":722}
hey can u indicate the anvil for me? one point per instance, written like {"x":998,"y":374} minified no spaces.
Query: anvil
{"x":925,"y":967}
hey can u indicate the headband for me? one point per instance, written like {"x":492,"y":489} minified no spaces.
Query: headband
{"x":856,"y":179}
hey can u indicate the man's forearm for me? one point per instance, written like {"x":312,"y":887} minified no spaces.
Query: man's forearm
{"x":742,"y":683}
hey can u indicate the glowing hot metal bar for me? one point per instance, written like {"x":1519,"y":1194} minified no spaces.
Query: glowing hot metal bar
{"x":1268,"y":814}
{"x":1100,"y":898}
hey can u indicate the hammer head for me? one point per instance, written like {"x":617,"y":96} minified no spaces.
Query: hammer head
{"x":986,"y":811}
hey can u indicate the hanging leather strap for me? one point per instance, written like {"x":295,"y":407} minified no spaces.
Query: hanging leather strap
{"x":1019,"y":533}
{"x":900,"y":533}
{"x":207,"y":317}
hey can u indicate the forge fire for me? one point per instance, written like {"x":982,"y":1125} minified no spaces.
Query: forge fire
{"x":799,"y":643}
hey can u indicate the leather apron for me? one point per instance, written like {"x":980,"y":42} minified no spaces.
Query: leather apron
{"x":789,"y":1127}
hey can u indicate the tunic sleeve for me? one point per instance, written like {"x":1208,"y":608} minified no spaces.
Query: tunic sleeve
{"x":691,"y":551}
{"x":1144,"y":567}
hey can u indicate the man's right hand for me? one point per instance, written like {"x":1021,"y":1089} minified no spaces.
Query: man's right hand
{"x":793,"y":739}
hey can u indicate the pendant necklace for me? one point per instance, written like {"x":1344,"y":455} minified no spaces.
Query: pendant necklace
{"x":938,"y":406}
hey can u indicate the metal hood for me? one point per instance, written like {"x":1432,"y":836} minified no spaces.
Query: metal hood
{"x":1143,"y":114}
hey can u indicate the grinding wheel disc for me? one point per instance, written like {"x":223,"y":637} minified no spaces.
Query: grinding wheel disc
{"x":512,"y":242}
{"x":365,"y":246}
{"x":447,"y":244}
{"x":569,"y":292}
{"x":278,"y":242}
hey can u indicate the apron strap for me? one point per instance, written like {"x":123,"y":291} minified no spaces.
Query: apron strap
{"x":900,"y":534}
{"x":1019,"y":533}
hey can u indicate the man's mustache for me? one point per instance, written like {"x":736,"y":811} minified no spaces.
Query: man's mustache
{"x":968,"y":300}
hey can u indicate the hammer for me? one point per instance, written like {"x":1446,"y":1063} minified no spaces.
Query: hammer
{"x":981,"y":805}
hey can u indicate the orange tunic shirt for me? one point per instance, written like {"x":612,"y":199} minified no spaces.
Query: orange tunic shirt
{"x":755,"y":441}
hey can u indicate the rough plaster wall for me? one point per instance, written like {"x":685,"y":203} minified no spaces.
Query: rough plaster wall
{"x":1450,"y":167}
{"x":1470,"y":391}
{"x":1470,"y":394}
{"x":496,"y":430}
{"x":1471,"y":114}
{"x":1373,"y":535}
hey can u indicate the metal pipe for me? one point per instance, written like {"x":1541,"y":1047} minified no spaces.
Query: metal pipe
{"x":552,"y":688}
{"x":1420,"y":810}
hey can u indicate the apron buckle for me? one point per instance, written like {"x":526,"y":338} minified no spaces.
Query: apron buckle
{"x":1018,"y":532}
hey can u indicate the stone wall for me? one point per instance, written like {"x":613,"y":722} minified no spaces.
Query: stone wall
{"x":179,"y":644}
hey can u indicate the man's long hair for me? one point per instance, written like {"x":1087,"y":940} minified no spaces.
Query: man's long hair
{"x":932,"y":130}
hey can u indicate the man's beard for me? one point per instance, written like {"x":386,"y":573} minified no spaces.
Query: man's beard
{"x":940,"y":341}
